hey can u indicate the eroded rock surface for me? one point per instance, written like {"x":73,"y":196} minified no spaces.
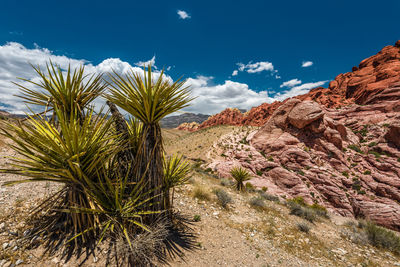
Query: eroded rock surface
{"x":344,"y":159}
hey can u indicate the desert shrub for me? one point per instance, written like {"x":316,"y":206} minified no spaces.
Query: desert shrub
{"x":345,"y":174}
{"x":264,"y":188}
{"x":196,"y":218}
{"x":268,"y":197}
{"x":354,"y":233}
{"x":375,"y":153}
{"x":367,"y":172}
{"x":300,"y":211}
{"x":250,"y":188}
{"x":304,"y":227}
{"x":240,"y":175}
{"x":355,"y":148}
{"x":259,"y":172}
{"x":319,"y":210}
{"x":200,"y":193}
{"x":227,"y":182}
{"x":298,"y":200}
{"x":223,"y":197}
{"x":382,"y":238}
{"x":372,"y":144}
{"x":257,"y":202}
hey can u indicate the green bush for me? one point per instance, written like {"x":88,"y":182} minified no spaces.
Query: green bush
{"x":196,"y":218}
{"x":304,"y":227}
{"x":383,"y":238}
{"x":200,"y":193}
{"x":223,"y":198}
{"x":300,"y":211}
{"x":257,"y":203}
{"x":355,"y":148}
{"x":268,"y":197}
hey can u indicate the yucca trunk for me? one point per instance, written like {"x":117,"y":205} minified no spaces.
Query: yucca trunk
{"x":151,"y":163}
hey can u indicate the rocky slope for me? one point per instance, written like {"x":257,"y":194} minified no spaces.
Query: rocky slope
{"x":188,"y":126}
{"x":347,"y":159}
{"x":371,"y":81}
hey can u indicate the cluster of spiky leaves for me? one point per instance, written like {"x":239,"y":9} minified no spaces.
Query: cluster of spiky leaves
{"x":240,"y":175}
{"x":110,"y":175}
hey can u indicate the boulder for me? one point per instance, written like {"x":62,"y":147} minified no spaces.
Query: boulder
{"x":305,"y":113}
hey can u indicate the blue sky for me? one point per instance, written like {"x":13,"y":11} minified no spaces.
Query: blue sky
{"x":266,"y":42}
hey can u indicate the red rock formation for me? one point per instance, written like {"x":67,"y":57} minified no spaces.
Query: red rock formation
{"x":188,"y":126}
{"x":365,"y":84}
{"x":230,"y":116}
{"x":344,"y":159}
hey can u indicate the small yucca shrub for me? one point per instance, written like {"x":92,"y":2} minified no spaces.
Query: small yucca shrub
{"x":240,"y":175}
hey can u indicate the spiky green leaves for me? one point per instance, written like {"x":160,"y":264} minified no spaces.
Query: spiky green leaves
{"x":176,"y":171}
{"x":240,"y":175}
{"x":70,"y":153}
{"x":146,"y":98}
{"x":70,"y":91}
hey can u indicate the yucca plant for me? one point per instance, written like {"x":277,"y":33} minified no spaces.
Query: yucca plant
{"x":149,"y":100}
{"x":176,"y":171}
{"x":112,"y":172}
{"x":240,"y":175}
{"x":71,"y":154}
{"x":72,"y":92}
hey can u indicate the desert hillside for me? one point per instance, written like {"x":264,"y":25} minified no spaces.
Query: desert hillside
{"x":253,"y":228}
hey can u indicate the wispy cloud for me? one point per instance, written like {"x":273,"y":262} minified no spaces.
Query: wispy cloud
{"x":298,"y":90}
{"x":183,"y":14}
{"x":235,"y":72}
{"x":256,"y":67}
{"x":306,"y":64}
{"x":16,"y":33}
{"x":290,"y":83}
{"x":151,"y":62}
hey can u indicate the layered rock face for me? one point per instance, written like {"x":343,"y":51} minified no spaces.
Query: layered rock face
{"x":347,"y":159}
{"x":188,"y":126}
{"x":373,"y":80}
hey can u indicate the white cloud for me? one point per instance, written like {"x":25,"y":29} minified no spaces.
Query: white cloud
{"x":183,"y":14}
{"x":211,"y":98}
{"x":290,"y":83}
{"x":151,"y":62}
{"x":298,"y":90}
{"x":235,"y":72}
{"x":15,"y":60}
{"x":306,"y":64}
{"x":256,"y":67}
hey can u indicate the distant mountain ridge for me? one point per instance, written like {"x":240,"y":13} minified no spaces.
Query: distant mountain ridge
{"x":175,"y":121}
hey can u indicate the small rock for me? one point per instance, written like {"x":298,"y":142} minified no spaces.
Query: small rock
{"x":26,"y":232}
{"x":5,"y":245}
{"x":2,"y":262}
{"x":19,"y":261}
{"x":2,"y":226}
{"x":15,"y":248}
